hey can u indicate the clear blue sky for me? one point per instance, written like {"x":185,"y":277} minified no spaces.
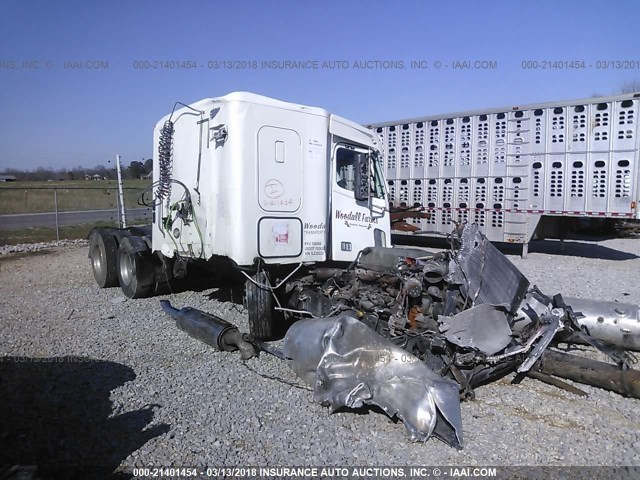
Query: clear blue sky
{"x":57,"y":117}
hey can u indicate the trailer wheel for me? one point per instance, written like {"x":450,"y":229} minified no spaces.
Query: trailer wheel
{"x":103,"y":252}
{"x":259,"y":303}
{"x":135,"y":271}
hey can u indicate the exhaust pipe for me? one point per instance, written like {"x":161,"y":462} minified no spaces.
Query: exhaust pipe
{"x":612,"y":322}
{"x":211,"y":330}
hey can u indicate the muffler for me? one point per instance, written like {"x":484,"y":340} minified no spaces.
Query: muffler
{"x":211,"y":330}
{"x":612,"y":322}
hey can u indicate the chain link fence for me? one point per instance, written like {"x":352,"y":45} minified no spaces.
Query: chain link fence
{"x":27,"y":207}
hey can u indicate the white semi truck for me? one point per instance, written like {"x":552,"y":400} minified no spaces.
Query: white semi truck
{"x":252,"y":185}
{"x":516,"y":171}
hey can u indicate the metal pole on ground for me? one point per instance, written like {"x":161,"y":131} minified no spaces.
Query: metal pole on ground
{"x":120,"y":193}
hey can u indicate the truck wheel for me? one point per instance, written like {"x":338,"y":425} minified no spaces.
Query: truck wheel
{"x":259,"y":303}
{"x":135,"y":271}
{"x":103,"y":252}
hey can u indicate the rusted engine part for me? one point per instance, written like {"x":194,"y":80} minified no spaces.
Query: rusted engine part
{"x":612,"y":322}
{"x":350,"y":365}
{"x":399,"y":216}
{"x":211,"y":330}
{"x":591,"y":372}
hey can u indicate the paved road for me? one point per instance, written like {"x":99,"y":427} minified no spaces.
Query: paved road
{"x":26,"y":220}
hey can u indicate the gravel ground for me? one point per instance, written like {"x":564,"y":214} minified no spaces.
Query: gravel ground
{"x":89,"y":377}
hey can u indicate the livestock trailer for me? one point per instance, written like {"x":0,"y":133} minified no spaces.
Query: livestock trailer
{"x":516,"y":171}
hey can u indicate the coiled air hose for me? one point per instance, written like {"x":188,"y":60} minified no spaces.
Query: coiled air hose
{"x":165,"y":163}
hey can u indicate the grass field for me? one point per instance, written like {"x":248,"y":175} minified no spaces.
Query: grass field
{"x":37,"y":197}
{"x":48,"y":234}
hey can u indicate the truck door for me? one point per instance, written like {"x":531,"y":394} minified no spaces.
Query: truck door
{"x":356,"y":223}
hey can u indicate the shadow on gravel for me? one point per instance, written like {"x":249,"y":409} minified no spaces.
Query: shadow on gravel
{"x":56,"y":414}
{"x":572,"y":249}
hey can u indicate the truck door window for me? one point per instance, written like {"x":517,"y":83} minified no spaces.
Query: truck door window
{"x":345,"y":172}
{"x":345,"y":168}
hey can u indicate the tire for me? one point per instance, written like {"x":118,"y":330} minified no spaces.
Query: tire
{"x":259,"y":304}
{"x":103,"y":252}
{"x":135,"y":271}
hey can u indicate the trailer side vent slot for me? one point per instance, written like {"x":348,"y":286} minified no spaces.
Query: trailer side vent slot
{"x":432,"y":194}
{"x":447,"y":193}
{"x":623,"y":182}
{"x":600,"y":136}
{"x":599,"y":186}
{"x":419,"y":157}
{"x":392,"y":137}
{"x":405,"y":137}
{"x":449,"y":140}
{"x":392,"y":192}
{"x":417,"y":193}
{"x":500,"y":151}
{"x":433,"y":156}
{"x":579,"y":125}
{"x":434,"y":134}
{"x":501,"y":128}
{"x":448,"y":155}
{"x":497,"y":218}
{"x":555,"y":184}
{"x":405,"y":158}
{"x":446,"y":217}
{"x":419,"y":145}
{"x":479,"y":215}
{"x":391,"y":158}
{"x":432,"y":216}
{"x":601,"y":120}
{"x":538,"y":137}
{"x":463,"y":191}
{"x":557,"y":123}
{"x":463,"y":216}
{"x":577,"y":182}
{"x":498,"y":193}
{"x":622,"y":134}
{"x":537,"y":174}
{"x":465,"y":142}
{"x":404,"y":193}
{"x":465,"y":156}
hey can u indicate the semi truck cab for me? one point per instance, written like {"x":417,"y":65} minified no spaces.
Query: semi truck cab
{"x":256,"y":184}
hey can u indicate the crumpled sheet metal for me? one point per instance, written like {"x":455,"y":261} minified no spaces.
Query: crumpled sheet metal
{"x":350,"y":365}
{"x":484,"y":327}
{"x":484,"y":274}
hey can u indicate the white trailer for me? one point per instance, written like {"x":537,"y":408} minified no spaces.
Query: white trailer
{"x":516,"y":170}
{"x":252,"y":185}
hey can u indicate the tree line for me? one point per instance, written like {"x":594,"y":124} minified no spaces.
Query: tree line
{"x":136,"y":169}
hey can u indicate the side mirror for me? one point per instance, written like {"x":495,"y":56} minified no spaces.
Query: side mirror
{"x":361,"y":174}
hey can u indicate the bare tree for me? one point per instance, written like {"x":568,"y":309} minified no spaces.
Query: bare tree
{"x":631,"y":86}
